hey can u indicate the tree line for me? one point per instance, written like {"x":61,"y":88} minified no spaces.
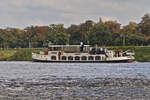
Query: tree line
{"x":108,"y":33}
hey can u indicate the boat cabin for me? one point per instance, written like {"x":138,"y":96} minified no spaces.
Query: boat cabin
{"x":79,"y":53}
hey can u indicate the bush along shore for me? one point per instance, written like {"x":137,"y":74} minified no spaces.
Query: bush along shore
{"x":22,"y":54}
{"x":142,"y":53}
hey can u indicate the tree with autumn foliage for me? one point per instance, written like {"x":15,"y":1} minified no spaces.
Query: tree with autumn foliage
{"x":133,"y":35}
{"x":108,"y":33}
{"x":115,"y":29}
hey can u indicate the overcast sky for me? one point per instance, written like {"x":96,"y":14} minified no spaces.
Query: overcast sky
{"x":22,"y":13}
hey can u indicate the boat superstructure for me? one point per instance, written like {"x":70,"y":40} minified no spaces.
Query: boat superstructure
{"x":86,"y":54}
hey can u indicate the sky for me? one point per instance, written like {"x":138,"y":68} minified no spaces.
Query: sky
{"x":23,"y":13}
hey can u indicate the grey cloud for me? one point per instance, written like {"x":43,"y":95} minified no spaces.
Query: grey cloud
{"x":21,"y":13}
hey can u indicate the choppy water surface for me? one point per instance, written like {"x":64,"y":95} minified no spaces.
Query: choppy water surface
{"x":35,"y":71}
{"x":42,"y":81}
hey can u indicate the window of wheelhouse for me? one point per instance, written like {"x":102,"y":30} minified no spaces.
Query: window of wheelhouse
{"x":64,"y":58}
{"x":70,"y":58}
{"x":84,"y":58}
{"x":53,"y":57}
{"x":77,"y":58}
{"x":97,"y":57}
{"x":90,"y":58}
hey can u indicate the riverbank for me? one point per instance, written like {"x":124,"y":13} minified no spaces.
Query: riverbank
{"x":142,"y":53}
{"x":22,"y":54}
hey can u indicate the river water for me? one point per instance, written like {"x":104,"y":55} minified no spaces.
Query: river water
{"x":35,"y":71}
{"x":66,"y":81}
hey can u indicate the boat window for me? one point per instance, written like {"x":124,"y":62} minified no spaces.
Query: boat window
{"x":97,"y":58}
{"x":84,"y":58}
{"x":64,"y":58}
{"x":90,"y":58}
{"x":70,"y":58}
{"x":77,"y":58}
{"x":53,"y":57}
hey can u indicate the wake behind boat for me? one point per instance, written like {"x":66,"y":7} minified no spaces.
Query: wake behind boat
{"x":85,"y":54}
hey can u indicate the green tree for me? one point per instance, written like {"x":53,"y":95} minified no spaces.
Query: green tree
{"x":115,"y":29}
{"x":74,"y":32}
{"x":144,"y":25}
{"x":79,"y":33}
{"x":100,"y":34}
{"x":57,"y":34}
{"x":31,"y":36}
{"x":133,"y":34}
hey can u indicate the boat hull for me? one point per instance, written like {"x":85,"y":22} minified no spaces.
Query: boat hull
{"x":107,"y":61}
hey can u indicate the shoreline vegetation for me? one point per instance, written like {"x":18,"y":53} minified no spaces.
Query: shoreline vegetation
{"x":142,"y":53}
{"x":102,"y":33}
{"x":111,"y":34}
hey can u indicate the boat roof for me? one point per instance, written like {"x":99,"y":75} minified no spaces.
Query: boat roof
{"x":67,"y":45}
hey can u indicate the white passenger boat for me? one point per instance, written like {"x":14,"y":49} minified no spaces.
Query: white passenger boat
{"x":86,"y":54}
